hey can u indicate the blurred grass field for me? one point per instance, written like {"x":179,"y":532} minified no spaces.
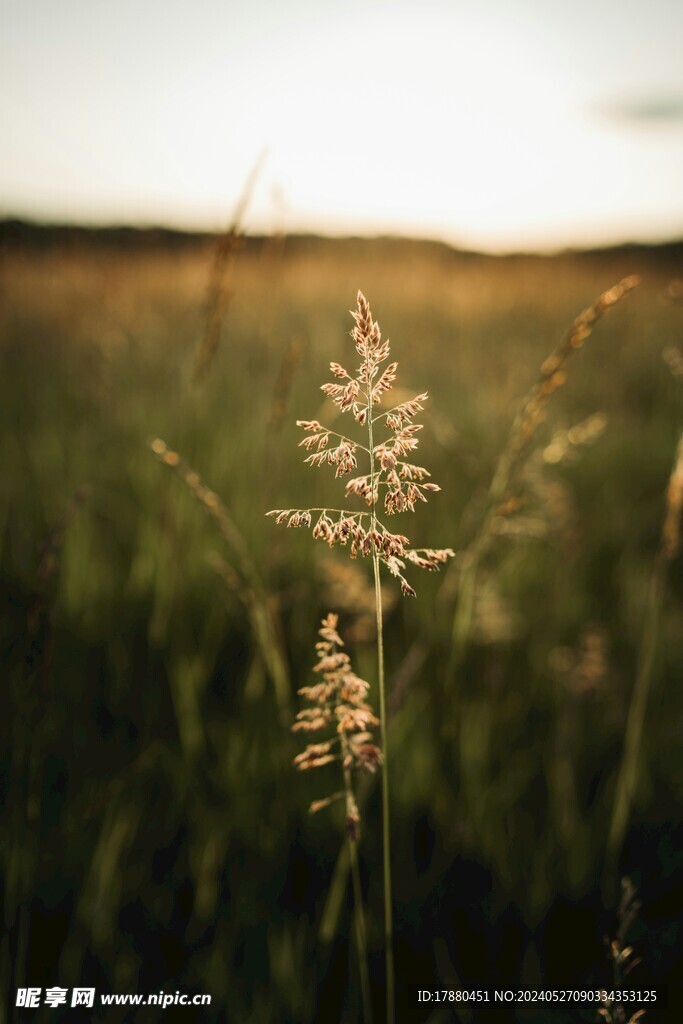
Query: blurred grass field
{"x":155,"y":833}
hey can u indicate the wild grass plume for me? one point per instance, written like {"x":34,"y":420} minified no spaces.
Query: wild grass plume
{"x":392,"y":483}
{"x":503,"y":499}
{"x":338,"y":702}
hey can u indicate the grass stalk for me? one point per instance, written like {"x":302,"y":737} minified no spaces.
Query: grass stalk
{"x":386,"y":820}
{"x":352,"y":818}
{"x":627,"y":778}
{"x":405,"y":485}
{"x":630,"y":761}
{"x":338,"y":702}
{"x":359,"y":918}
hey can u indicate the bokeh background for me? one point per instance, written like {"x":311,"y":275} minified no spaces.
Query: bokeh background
{"x":192,"y":198}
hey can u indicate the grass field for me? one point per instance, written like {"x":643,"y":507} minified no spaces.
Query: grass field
{"x":156,"y":835}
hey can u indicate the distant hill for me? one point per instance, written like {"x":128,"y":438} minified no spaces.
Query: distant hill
{"x":28,"y":236}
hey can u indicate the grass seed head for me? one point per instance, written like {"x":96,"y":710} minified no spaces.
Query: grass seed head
{"x":338,"y":704}
{"x":393,"y":483}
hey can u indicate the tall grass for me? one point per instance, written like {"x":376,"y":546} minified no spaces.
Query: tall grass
{"x":339,"y":701}
{"x":392,"y":483}
{"x":184,"y":851}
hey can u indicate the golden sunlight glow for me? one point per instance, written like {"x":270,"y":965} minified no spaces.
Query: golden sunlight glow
{"x":482,"y":125}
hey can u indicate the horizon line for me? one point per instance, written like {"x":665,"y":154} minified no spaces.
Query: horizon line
{"x":104,"y":227}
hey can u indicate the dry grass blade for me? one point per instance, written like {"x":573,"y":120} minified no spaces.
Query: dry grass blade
{"x":252,"y":593}
{"x":551,"y":378}
{"x":218,"y":294}
{"x":501,"y":499}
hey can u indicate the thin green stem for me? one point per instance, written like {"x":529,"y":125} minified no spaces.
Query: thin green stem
{"x":386,"y":838}
{"x":361,"y":941}
{"x":359,"y":917}
{"x":630,"y":759}
{"x":388,"y":912}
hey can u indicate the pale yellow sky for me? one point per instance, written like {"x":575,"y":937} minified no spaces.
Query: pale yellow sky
{"x":488,"y":124}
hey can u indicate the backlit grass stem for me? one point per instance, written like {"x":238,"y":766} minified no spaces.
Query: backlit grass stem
{"x":386,"y":818}
{"x":403,"y":485}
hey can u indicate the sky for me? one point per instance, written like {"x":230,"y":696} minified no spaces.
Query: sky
{"x":490,"y":124}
